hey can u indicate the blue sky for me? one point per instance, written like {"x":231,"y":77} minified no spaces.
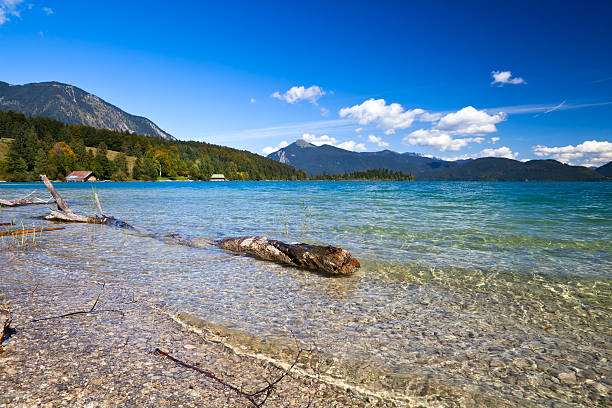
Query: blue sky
{"x":514,"y":79}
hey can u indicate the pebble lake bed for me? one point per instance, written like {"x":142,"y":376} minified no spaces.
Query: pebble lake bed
{"x":469,"y":294}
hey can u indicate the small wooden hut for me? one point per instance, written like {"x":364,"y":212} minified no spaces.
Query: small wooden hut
{"x":81,"y":176}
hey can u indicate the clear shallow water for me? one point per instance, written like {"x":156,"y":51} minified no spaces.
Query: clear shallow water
{"x":495,"y":287}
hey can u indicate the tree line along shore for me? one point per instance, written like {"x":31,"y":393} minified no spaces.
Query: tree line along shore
{"x":30,"y":146}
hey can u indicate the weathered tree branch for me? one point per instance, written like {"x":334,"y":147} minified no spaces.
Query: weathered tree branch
{"x":66,"y":214}
{"x":26,"y":200}
{"x":98,"y":204}
{"x":61,"y":204}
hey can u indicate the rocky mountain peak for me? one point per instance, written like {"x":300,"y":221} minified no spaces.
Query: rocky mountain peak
{"x":70,"y":104}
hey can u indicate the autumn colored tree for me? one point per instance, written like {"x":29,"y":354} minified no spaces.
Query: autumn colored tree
{"x":62,"y":160}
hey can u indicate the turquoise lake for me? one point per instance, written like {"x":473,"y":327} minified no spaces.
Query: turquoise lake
{"x":501,"y":288}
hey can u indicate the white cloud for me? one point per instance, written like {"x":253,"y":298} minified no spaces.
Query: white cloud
{"x":505,"y":77}
{"x":494,"y":140}
{"x":332,"y":141}
{"x":465,"y":122}
{"x":352,"y":146}
{"x":319,"y":140}
{"x":377,"y":140}
{"x":438,"y":139}
{"x":358,"y":130}
{"x":588,"y":153}
{"x":429,"y":117}
{"x":300,"y":93}
{"x":504,"y":152}
{"x":48,"y":10}
{"x":252,"y":100}
{"x":9,"y":8}
{"x":470,"y":121}
{"x":324,"y":112}
{"x":269,"y":149}
{"x":455,"y":158}
{"x":392,"y":116}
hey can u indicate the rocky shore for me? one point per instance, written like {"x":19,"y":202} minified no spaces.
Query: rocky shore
{"x":107,"y":359}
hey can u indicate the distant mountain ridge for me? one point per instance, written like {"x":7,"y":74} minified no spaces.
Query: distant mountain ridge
{"x":605,"y":170}
{"x":501,"y":169}
{"x":70,"y":104}
{"x":315,"y":160}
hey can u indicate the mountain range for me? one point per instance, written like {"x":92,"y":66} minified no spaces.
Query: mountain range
{"x":315,"y":160}
{"x":605,"y":170}
{"x":70,"y":104}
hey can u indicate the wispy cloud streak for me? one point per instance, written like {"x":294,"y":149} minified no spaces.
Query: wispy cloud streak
{"x":602,"y":80}
{"x":545,"y":108}
{"x":554,"y":108}
{"x":290,"y":131}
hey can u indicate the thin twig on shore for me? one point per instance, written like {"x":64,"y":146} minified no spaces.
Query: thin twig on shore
{"x":257,"y":398}
{"x":315,"y":349}
{"x":85,"y":312}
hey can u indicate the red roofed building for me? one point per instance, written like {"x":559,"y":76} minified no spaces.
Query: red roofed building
{"x":81,"y":176}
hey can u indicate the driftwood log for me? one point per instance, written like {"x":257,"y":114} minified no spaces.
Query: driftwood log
{"x":5,"y":323}
{"x":64,"y":212}
{"x":26,"y":200}
{"x":326,"y":259}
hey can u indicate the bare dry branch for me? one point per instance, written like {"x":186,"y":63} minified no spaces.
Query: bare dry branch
{"x":25,"y":200}
{"x":66,"y":214}
{"x":79,"y":312}
{"x":98,"y":204}
{"x":257,"y":398}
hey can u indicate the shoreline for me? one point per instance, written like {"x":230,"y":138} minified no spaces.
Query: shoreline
{"x":311,"y":181}
{"x":106,"y":359}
